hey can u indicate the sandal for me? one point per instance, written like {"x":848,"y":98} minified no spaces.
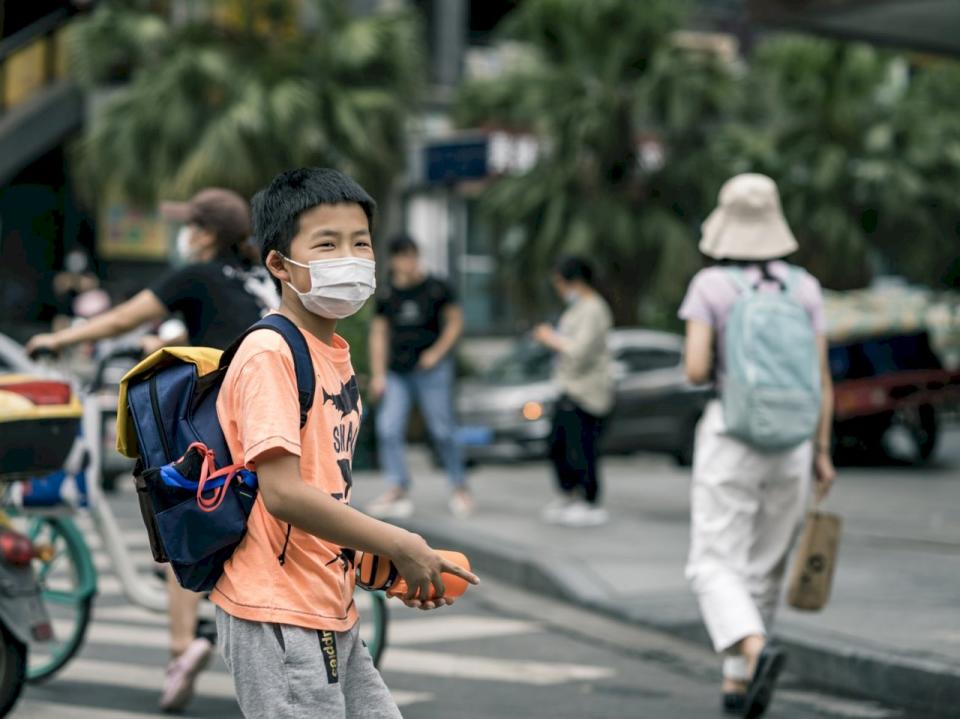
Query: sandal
{"x":760,"y":693}
{"x":734,"y":703}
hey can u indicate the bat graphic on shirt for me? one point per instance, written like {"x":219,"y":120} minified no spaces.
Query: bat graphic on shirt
{"x":344,"y":465}
{"x":347,"y":400}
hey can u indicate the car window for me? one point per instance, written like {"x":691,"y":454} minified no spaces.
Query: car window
{"x":527,"y":362}
{"x":647,"y":359}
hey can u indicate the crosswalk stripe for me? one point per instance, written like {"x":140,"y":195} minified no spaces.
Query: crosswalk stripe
{"x":438,"y":664}
{"x":405,"y":632}
{"x":124,"y":635}
{"x":35,"y":709}
{"x":136,"y":676}
{"x":454,"y":628}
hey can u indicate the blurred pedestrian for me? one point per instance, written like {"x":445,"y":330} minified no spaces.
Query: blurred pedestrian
{"x":74,"y":280}
{"x":584,"y":375}
{"x":220,"y":294}
{"x":753,"y":319}
{"x":412,"y":338}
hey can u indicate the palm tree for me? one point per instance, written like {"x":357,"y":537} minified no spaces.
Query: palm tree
{"x":209,"y":103}
{"x":865,"y":152}
{"x":600,"y":77}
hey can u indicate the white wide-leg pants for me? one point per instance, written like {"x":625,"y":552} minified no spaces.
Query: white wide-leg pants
{"x":746,"y":509}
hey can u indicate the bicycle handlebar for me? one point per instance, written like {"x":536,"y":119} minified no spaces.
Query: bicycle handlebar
{"x":130,"y":352}
{"x":43,"y":353}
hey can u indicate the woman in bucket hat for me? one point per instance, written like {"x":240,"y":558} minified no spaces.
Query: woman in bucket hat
{"x":747,"y":502}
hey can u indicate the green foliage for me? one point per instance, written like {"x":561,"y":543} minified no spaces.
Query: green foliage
{"x":867,"y":157}
{"x":592,"y":86}
{"x":207,"y":105}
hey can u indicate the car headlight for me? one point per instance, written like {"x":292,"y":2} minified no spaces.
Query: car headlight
{"x":532,"y":411}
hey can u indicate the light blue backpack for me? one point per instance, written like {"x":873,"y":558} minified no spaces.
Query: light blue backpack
{"x":771,"y":393}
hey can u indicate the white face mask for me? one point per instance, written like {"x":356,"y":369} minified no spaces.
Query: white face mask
{"x":184,"y":246}
{"x":338,"y":288}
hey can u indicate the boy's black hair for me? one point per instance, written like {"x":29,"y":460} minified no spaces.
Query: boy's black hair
{"x":574,"y":268}
{"x":278,"y":206}
{"x":401,"y":244}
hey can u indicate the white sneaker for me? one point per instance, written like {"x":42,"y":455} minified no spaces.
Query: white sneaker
{"x":461,"y":505}
{"x":552,"y":513}
{"x":581,"y":514}
{"x":391,"y":507}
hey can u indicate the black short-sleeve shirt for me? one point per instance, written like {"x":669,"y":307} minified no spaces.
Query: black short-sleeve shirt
{"x":415,"y":318}
{"x":218,"y":300}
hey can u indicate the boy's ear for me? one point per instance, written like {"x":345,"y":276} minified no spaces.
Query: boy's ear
{"x":275,"y":266}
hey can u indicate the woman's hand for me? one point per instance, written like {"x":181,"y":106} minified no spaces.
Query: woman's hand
{"x":824,"y":473}
{"x":545,"y":334}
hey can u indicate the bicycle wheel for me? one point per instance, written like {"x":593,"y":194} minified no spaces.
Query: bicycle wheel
{"x":68,"y":581}
{"x":374,"y":617}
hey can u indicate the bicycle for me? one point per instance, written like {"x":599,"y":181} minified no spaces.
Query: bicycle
{"x":68,"y":577}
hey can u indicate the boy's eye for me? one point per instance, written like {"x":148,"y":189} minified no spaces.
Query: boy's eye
{"x":363,"y":243}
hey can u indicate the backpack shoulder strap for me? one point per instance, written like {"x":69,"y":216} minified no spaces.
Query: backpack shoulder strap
{"x":739,"y":278}
{"x":793,"y":279}
{"x":302,"y":364}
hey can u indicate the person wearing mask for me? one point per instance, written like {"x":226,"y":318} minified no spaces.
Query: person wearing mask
{"x":412,"y":338}
{"x":583,"y":372}
{"x":219,"y":294}
{"x":288,"y":623}
{"x":747,"y":499}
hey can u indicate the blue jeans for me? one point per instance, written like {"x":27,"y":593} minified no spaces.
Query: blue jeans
{"x":433,"y":392}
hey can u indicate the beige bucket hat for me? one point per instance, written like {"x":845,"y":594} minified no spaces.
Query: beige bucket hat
{"x":748,"y":223}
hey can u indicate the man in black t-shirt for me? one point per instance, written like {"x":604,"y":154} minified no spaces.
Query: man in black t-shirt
{"x":412,"y":338}
{"x":220,"y":295}
{"x":217,"y":290}
{"x":218,"y":299}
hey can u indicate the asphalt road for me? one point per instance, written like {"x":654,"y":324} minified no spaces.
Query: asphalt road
{"x":497,"y":653}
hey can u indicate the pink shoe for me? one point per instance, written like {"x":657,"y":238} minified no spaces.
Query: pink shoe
{"x":182,"y":673}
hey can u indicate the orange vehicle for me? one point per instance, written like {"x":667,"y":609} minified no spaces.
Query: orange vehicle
{"x":890,"y":392}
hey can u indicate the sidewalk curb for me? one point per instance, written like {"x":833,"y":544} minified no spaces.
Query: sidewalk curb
{"x":845,"y":665}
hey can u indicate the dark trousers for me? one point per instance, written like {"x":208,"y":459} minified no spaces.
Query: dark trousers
{"x":574,"y":446}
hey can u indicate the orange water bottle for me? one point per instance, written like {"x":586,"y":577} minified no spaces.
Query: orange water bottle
{"x":377,"y":573}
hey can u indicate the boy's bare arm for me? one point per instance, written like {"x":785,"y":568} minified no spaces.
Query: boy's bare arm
{"x":291,"y":500}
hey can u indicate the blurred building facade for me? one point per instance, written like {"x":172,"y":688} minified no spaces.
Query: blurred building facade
{"x":40,"y":110}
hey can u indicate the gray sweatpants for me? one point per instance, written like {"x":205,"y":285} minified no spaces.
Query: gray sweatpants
{"x":286,"y":672}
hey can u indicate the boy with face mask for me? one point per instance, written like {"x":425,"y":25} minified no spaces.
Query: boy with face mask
{"x":287,"y":591}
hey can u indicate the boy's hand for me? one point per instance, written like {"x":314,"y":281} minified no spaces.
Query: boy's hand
{"x":421,"y":568}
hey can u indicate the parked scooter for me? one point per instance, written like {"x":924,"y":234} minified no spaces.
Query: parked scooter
{"x":23,"y":615}
{"x":39,"y":423}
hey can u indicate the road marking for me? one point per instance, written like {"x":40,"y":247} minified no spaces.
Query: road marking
{"x":454,"y":628}
{"x":126,"y":635}
{"x":438,"y":664}
{"x":137,"y":676}
{"x":131,"y":614}
{"x":33,"y":709}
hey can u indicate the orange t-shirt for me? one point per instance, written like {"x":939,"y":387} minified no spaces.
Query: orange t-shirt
{"x":259,"y":411}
